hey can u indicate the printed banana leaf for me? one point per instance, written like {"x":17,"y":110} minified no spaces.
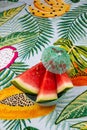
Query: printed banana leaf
{"x":9,"y":14}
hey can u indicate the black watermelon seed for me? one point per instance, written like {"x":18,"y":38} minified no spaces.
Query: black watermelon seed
{"x":43,"y":7}
{"x":55,"y":15}
{"x":51,"y":4}
{"x":51,"y":13}
{"x":57,"y":3}
{"x":33,"y":13}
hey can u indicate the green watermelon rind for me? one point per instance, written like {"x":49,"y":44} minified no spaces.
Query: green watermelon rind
{"x":67,"y":85}
{"x":47,"y":98}
{"x":17,"y":82}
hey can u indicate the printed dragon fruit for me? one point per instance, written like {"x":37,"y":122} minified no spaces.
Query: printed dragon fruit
{"x":8,"y":54}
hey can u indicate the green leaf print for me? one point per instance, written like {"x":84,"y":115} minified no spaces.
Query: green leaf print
{"x":9,"y":14}
{"x":8,"y":74}
{"x":13,"y":0}
{"x":18,"y":67}
{"x":15,"y":124}
{"x":5,"y":76}
{"x":45,"y":32}
{"x":73,"y":24}
{"x":81,"y":125}
{"x":16,"y":37}
{"x":77,"y":53}
{"x":30,"y":128}
{"x":76,"y":109}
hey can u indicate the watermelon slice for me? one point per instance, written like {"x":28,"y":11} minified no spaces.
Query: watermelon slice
{"x":30,"y":80}
{"x":63,"y":82}
{"x":48,"y":89}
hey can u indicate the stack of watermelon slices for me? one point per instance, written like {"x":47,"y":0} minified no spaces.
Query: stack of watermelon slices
{"x":42,"y":83}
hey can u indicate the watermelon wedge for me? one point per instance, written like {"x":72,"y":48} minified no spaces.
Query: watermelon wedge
{"x":63,"y":82}
{"x":31,"y":79}
{"x":48,"y":89}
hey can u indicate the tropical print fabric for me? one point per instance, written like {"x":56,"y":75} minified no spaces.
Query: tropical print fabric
{"x":23,"y":37}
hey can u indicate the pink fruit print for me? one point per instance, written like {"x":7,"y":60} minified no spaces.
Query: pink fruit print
{"x":8,"y":54}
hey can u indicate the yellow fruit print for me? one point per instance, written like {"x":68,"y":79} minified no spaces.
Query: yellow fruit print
{"x":15,"y":105}
{"x":49,"y":8}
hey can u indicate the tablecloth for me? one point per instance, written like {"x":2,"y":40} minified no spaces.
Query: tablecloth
{"x":23,"y":37}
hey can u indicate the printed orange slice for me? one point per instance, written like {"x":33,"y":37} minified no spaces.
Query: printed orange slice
{"x":14,"y":104}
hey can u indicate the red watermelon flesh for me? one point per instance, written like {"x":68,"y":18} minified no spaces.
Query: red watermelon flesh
{"x":31,"y":79}
{"x":63,"y":82}
{"x":48,"y":89}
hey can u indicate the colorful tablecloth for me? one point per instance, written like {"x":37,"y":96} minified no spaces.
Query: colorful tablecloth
{"x":23,"y":36}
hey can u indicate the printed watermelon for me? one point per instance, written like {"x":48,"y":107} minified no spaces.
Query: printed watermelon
{"x":63,"y":82}
{"x":31,"y":79}
{"x":48,"y":89}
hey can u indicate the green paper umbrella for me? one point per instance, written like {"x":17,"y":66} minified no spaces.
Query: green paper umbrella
{"x":55,"y":59}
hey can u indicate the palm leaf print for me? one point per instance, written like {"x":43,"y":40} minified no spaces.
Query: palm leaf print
{"x":15,"y":124}
{"x":76,"y":109}
{"x":8,"y":74}
{"x":18,"y":67}
{"x":81,"y":125}
{"x":30,"y":128}
{"x":73,"y":24}
{"x":5,"y":77}
{"x":41,"y":26}
{"x":8,"y":14}
{"x":15,"y":38}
